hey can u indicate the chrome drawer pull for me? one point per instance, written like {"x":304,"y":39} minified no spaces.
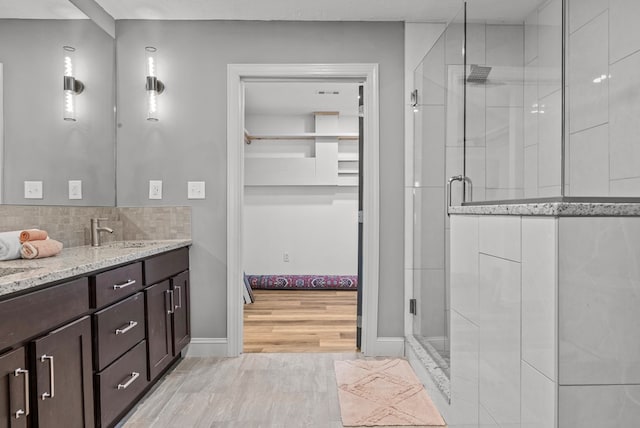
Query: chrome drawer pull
{"x":172,"y":301}
{"x":124,"y":284}
{"x":129,"y":326}
{"x":51,"y":394}
{"x":16,"y":373}
{"x":179,"y":305}
{"x":134,"y":376}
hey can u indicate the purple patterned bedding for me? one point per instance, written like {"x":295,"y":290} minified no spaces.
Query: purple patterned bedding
{"x":303,"y":282}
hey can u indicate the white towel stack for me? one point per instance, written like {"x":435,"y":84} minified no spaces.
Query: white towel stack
{"x":10,"y":245}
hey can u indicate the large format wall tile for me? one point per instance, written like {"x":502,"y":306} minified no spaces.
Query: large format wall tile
{"x":428,"y":231}
{"x":464,"y":371}
{"x":599,"y":297}
{"x":625,"y":187}
{"x":500,"y":338}
{"x":550,"y":140}
{"x":583,"y":11}
{"x":429,"y":77}
{"x":550,"y":47}
{"x":464,"y":266}
{"x":531,"y":171}
{"x":539,"y":277}
{"x":588,"y":75}
{"x":504,"y":154}
{"x":599,"y":406}
{"x":625,"y":31}
{"x":589,"y":162}
{"x":429,"y":290}
{"x":538,"y":397}
{"x":500,"y":236}
{"x":531,"y":37}
{"x":429,"y":137}
{"x":624,"y":126}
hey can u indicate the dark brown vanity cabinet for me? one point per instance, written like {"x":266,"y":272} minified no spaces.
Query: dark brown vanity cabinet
{"x":14,"y":389}
{"x":167,"y":302}
{"x":63,"y":395}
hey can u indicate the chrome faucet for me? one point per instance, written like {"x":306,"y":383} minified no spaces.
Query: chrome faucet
{"x":96,"y":229}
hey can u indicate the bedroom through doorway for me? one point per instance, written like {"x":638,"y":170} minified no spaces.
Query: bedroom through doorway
{"x":301,"y":241}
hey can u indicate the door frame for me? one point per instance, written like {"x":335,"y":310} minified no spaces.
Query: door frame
{"x":236,"y":74}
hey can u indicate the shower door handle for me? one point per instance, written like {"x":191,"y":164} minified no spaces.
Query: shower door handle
{"x":465,"y":180}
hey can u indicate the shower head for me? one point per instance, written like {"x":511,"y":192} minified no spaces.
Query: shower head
{"x":478,"y":74}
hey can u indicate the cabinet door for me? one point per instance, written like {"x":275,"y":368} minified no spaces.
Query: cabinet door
{"x":181,"y":322}
{"x":14,"y":390}
{"x":158,"y":327}
{"x":64,"y":381}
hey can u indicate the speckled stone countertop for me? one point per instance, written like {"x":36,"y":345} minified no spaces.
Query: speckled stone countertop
{"x":556,"y":209}
{"x":18,"y":276}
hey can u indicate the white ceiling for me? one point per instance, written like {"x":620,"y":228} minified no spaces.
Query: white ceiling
{"x":270,"y":10}
{"x":300,"y":98}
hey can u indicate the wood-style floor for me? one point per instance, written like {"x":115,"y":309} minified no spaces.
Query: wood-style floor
{"x":301,"y":321}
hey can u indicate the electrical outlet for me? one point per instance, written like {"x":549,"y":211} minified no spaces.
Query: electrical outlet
{"x":75,"y":189}
{"x":195,"y":189}
{"x":285,"y":257}
{"x":33,"y":189}
{"x":155,"y":189}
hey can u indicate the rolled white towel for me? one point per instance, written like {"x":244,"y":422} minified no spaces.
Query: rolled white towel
{"x":10,"y":245}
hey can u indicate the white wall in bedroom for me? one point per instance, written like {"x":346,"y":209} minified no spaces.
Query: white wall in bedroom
{"x":316,"y":226}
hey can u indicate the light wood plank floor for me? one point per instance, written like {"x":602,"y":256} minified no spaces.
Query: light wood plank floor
{"x":301,"y":321}
{"x":250,"y":391}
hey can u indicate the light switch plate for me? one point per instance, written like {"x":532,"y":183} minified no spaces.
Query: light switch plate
{"x":33,"y":189}
{"x":195,"y":190}
{"x":75,"y":189}
{"x":155,"y":189}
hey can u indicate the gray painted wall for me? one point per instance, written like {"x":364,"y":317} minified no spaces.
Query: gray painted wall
{"x":189,"y":141}
{"x":39,"y":144}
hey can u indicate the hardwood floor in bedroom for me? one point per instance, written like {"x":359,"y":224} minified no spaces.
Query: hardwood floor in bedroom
{"x":301,"y":321}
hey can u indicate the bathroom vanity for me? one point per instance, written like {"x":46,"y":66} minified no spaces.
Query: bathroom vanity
{"x":85,"y":334}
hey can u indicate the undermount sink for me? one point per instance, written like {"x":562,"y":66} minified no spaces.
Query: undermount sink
{"x":11,"y":271}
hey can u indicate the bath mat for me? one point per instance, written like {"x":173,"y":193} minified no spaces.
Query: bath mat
{"x":303,"y":282}
{"x":383,"y":392}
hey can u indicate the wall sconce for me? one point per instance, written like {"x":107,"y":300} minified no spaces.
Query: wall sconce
{"x":153,"y":86}
{"x":71,"y":85}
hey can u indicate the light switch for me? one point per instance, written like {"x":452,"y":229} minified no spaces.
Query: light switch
{"x":33,"y":189}
{"x":155,"y":189}
{"x":75,"y":189}
{"x":195,"y":190}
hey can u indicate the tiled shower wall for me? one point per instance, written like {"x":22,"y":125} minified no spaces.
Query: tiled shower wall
{"x":70,"y":225}
{"x":603,"y":62}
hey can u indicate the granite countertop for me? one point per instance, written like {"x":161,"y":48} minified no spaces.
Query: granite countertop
{"x":557,"y":209}
{"x":17,"y":276}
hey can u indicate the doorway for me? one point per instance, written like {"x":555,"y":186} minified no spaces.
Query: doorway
{"x":238,"y":76}
{"x":301,"y":194}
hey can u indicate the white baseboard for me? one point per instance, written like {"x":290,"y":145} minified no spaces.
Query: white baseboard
{"x":389,"y":347}
{"x":208,"y":347}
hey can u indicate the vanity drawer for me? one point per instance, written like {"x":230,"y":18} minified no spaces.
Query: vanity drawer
{"x":166,"y":265}
{"x":26,"y":316}
{"x":117,"y":328}
{"x":115,"y":284}
{"x":121,"y":383}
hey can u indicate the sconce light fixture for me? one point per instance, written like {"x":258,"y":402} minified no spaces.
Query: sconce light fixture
{"x":153,"y":86}
{"x":71,"y":85}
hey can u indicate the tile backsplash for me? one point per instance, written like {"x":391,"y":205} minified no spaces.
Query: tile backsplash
{"x":70,"y":225}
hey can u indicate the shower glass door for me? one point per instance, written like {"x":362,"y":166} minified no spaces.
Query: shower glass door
{"x":438,"y":154}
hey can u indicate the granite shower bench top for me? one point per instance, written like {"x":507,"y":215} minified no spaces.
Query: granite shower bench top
{"x":554,"y":209}
{"x":19,"y":276}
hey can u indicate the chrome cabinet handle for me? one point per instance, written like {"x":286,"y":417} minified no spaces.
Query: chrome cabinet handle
{"x":134,"y":376}
{"x":179,"y":288}
{"x":171,"y":302}
{"x":126,"y":328}
{"x":52,"y":381}
{"x":25,"y":412}
{"x":124,"y":284}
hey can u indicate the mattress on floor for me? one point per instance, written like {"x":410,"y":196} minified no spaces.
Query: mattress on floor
{"x":303,"y":282}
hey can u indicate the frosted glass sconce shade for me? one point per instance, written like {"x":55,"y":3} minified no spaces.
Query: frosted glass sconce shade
{"x":71,"y":86}
{"x":153,"y":85}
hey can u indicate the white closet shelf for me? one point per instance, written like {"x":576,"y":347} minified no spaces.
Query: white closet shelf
{"x":301,"y":136}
